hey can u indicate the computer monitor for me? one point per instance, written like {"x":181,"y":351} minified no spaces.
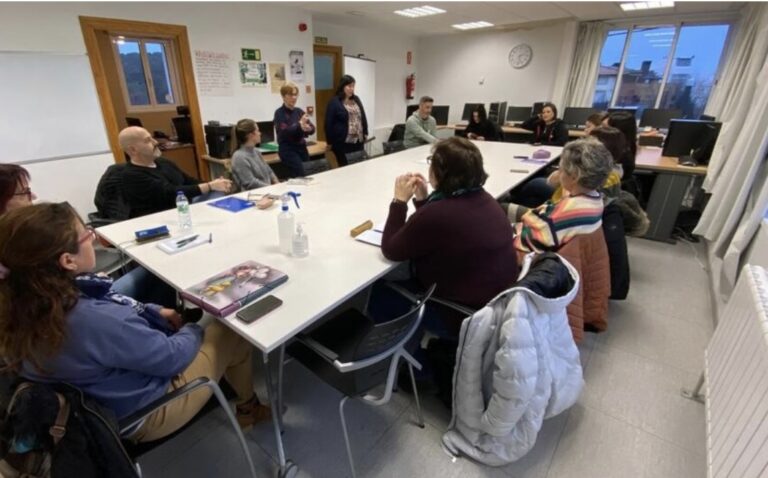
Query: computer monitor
{"x":134,"y":122}
{"x":537,"y":107}
{"x":629,"y":110}
{"x":706,"y":118}
{"x":576,"y":117}
{"x":183,"y":127}
{"x":440,"y":113}
{"x":518,"y":114}
{"x":694,"y":138}
{"x":409,"y":111}
{"x":468,"y":109}
{"x":267,"y":130}
{"x":659,"y":118}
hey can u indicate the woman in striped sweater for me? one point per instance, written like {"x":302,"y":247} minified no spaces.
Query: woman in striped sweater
{"x":584,"y":164}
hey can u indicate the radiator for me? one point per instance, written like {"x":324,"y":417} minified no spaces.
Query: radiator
{"x":736,"y":372}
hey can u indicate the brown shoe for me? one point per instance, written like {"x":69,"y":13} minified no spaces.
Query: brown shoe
{"x":252,"y":412}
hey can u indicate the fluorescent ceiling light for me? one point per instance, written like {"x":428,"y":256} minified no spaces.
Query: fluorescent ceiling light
{"x":419,"y":11}
{"x":634,"y":6}
{"x":472,"y":25}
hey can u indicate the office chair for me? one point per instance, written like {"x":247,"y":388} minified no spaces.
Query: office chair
{"x":355,"y":355}
{"x":356,"y":157}
{"x":390,"y":147}
{"x":398,"y":132}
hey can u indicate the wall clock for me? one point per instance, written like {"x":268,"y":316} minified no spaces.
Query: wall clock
{"x":520,"y":56}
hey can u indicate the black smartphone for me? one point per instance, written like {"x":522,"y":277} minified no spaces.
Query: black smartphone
{"x":259,"y":309}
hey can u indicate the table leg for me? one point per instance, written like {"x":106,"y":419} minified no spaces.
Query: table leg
{"x":664,"y":205}
{"x":276,"y":416}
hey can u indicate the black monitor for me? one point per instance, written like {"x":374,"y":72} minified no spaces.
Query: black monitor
{"x":537,"y":107}
{"x":628,"y":110}
{"x":576,"y":117}
{"x":440,"y":113}
{"x":133,"y":122}
{"x":183,"y":127}
{"x":518,"y":114}
{"x":409,"y":111}
{"x":659,"y":118}
{"x":468,"y":109}
{"x":706,"y":118}
{"x":267,"y":130}
{"x":694,"y":138}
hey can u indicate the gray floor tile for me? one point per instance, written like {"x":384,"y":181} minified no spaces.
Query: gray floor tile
{"x":645,"y":393}
{"x":597,"y":445}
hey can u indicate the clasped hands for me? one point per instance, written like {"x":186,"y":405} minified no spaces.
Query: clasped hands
{"x":304,"y":123}
{"x":411,"y":185}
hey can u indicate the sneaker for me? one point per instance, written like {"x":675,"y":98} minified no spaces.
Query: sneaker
{"x":252,"y":412}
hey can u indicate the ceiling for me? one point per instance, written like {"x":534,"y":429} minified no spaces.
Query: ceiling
{"x":501,"y":14}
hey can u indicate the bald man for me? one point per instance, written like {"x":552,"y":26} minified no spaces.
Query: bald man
{"x":150,"y":183}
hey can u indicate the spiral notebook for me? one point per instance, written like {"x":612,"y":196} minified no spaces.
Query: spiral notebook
{"x":234,"y":288}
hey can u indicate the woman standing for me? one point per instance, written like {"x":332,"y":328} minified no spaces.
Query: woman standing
{"x":346,"y":126}
{"x":547,"y":128}
{"x":293,"y":126}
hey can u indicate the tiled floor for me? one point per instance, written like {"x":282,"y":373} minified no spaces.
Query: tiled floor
{"x":629,"y":422}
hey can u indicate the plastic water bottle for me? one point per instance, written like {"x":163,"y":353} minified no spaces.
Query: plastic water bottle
{"x":300,"y":242}
{"x":182,"y":206}
{"x":285,"y":227}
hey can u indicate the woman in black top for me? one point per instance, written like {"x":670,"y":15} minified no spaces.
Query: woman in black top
{"x":479,"y":127}
{"x":346,"y":126}
{"x":547,"y":128}
{"x":624,"y":121}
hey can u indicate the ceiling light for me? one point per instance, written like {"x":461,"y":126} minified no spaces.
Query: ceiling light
{"x":472,"y":25}
{"x":633,"y":6}
{"x":419,"y":11}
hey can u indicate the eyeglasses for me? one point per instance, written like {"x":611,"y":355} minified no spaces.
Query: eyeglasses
{"x":25,"y":192}
{"x":89,"y":235}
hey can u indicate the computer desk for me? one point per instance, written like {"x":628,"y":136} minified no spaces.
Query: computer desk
{"x":515,"y":130}
{"x":337,"y":268}
{"x":668,"y":190}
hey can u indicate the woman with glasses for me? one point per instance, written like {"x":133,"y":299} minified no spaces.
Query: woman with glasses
{"x":293,"y":126}
{"x":61,"y":323}
{"x":14,"y":188}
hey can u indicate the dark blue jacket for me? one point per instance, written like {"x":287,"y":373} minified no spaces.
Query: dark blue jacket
{"x":337,"y":121}
{"x":289,"y":132}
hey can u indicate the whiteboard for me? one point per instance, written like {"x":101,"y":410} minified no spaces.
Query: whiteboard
{"x":49,"y":106}
{"x":364,"y":73}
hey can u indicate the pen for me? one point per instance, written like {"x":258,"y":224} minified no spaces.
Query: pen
{"x":186,"y":241}
{"x":524,"y":171}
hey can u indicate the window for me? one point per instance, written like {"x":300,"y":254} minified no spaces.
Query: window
{"x":148,"y":71}
{"x":661,"y":66}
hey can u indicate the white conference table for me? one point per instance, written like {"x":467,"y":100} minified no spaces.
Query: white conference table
{"x":337,"y":266}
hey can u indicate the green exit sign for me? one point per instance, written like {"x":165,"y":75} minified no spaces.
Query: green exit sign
{"x":251,"y":54}
{"x":321,"y":40}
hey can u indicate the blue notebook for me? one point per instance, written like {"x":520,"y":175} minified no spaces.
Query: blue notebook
{"x":232,"y":204}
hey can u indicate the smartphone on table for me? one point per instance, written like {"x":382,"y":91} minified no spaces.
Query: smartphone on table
{"x":259,"y":309}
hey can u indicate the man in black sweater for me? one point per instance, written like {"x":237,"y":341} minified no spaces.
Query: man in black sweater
{"x":150,"y":183}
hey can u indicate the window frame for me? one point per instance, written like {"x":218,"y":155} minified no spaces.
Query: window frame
{"x":678,"y":24}
{"x":173,"y":73}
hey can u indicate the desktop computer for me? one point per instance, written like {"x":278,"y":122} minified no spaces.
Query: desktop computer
{"x":692,"y":141}
{"x":409,"y":111}
{"x":183,"y":127}
{"x":497,"y":112}
{"x":574,"y":118}
{"x":537,"y":107}
{"x":440,"y":113}
{"x":267,"y":130}
{"x":632,"y":110}
{"x":518,"y":114}
{"x":219,"y":139}
{"x":468,"y":109}
{"x":659,"y":118}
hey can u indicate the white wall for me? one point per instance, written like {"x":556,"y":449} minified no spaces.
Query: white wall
{"x":389,"y":49}
{"x":54,"y":27}
{"x":473,"y":67}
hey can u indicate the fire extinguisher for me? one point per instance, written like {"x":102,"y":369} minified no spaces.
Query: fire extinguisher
{"x":410,"y":86}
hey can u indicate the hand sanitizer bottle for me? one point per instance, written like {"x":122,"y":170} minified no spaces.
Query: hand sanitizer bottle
{"x":300,"y":242}
{"x":285,"y":226}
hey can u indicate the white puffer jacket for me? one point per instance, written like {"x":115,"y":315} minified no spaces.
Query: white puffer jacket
{"x":516,"y":364}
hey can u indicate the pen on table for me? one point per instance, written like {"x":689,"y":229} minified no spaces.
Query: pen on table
{"x":186,"y":241}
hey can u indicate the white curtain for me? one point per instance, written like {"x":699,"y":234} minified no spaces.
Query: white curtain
{"x":586,"y":65}
{"x":730,"y":101}
{"x":740,"y":197}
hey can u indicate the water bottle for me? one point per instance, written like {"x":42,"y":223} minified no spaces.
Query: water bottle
{"x":300,"y":242}
{"x":285,"y":226}
{"x":182,"y":206}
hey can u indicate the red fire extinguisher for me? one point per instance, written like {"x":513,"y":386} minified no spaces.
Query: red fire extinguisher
{"x":410,"y":86}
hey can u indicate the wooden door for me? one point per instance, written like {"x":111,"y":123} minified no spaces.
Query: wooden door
{"x":328,"y":70}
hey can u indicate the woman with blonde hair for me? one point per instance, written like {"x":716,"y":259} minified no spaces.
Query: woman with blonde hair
{"x":293,"y":126}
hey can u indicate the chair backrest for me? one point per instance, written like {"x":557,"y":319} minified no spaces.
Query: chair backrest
{"x":356,"y":157}
{"x":389,"y":336}
{"x":393,"y":146}
{"x":398,"y":132}
{"x":109,"y":197}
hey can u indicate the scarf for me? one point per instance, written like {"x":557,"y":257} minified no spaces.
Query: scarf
{"x":438,"y":196}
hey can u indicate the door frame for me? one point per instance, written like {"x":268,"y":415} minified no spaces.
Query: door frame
{"x":178,"y":33}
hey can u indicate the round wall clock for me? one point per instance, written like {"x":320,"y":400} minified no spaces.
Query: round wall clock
{"x":520,"y":56}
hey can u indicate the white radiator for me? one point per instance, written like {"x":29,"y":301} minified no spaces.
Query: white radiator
{"x":736,"y":370}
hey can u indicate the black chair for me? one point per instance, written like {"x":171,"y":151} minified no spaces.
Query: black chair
{"x":356,"y":157}
{"x":110,"y":205}
{"x":390,"y":147}
{"x":618,"y":256}
{"x":355,"y":355}
{"x":398,"y":132}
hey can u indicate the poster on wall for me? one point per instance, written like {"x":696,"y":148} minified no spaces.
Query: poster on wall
{"x":214,"y":74}
{"x":296,"y":60}
{"x":277,"y":76}
{"x":253,"y":73}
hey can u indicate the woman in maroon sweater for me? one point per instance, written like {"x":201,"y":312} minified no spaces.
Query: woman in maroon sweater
{"x":458,"y":237}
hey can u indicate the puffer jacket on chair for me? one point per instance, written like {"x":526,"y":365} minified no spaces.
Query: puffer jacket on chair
{"x":588,"y":253}
{"x":517,"y":363}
